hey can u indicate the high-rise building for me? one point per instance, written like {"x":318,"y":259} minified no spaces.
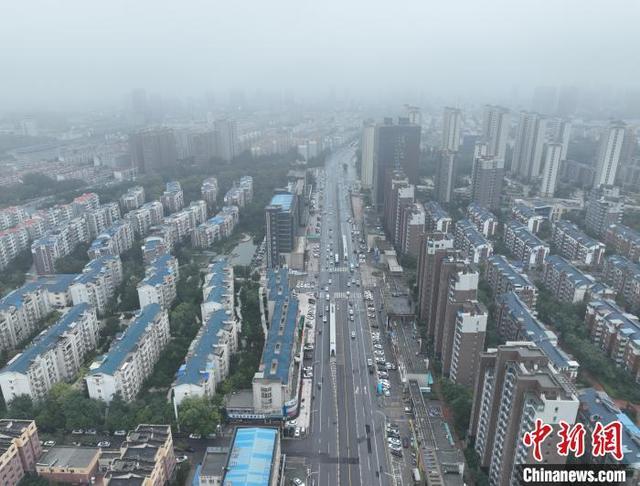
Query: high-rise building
{"x":172,"y":198}
{"x":280,"y":227}
{"x":495,"y":130}
{"x":132,"y":199}
{"x":444,"y":177}
{"x":398,"y":194}
{"x":434,"y":249}
{"x":209,"y":190}
{"x":397,"y":146}
{"x":203,"y":146}
{"x":559,"y":131}
{"x":516,"y":385}
{"x":226,"y":139}
{"x":486,"y":181}
{"x":367,"y":150}
{"x":527,"y":152}
{"x":20,"y":449}
{"x":604,"y":207}
{"x":153,"y":148}
{"x":552,"y":156}
{"x":451,"y":125}
{"x":610,"y":147}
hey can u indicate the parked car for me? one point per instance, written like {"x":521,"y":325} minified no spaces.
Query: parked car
{"x":77,"y":431}
{"x":195,"y":436}
{"x":104,"y":444}
{"x":181,"y":459}
{"x":120,"y":433}
{"x":50,"y":443}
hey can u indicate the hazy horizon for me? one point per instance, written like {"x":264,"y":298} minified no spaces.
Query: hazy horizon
{"x":69,"y":53}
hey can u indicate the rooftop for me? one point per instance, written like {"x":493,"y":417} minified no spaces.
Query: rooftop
{"x":69,"y":457}
{"x":517,"y":278}
{"x":46,"y":340}
{"x":523,"y":233}
{"x":577,"y":234}
{"x":159,"y":268}
{"x":576,"y":277}
{"x":533,"y":330}
{"x":627,"y":324}
{"x":471,"y":233}
{"x":525,"y":211}
{"x":481,"y":212}
{"x":278,"y":348}
{"x":94,"y":268}
{"x":251,"y":458}
{"x":285,"y":201}
{"x":128,"y":340}
{"x":625,"y":232}
{"x":597,"y":406}
{"x":435,"y":210}
{"x":198,"y":363}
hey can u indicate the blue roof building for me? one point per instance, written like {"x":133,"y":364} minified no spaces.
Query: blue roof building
{"x":132,"y":356}
{"x":254,"y":459}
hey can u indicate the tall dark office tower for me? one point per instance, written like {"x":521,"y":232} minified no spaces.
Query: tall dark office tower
{"x":445,"y":174}
{"x":396,"y":147}
{"x":434,"y":249}
{"x":281,"y":226}
{"x":153,"y":148}
{"x":486,"y":181}
{"x":226,"y":139}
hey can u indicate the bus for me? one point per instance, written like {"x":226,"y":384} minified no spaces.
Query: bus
{"x":415,"y":472}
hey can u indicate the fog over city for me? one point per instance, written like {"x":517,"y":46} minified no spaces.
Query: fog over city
{"x":72,"y":52}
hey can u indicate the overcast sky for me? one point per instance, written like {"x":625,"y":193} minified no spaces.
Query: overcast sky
{"x":54,"y":52}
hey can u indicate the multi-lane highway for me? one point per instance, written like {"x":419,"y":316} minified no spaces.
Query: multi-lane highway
{"x":346,"y":444}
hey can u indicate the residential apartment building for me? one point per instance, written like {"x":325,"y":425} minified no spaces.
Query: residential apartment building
{"x":132,"y":199}
{"x":152,"y":248}
{"x":276,"y":383}
{"x":131,"y":358}
{"x":412,"y":224}
{"x":55,"y":355}
{"x":367,"y":150}
{"x":172,"y":198}
{"x":623,"y":241}
{"x":598,"y":407}
{"x":569,"y":284}
{"x":444,"y":179}
{"x":13,"y":241}
{"x":496,"y":123}
{"x":616,"y":333}
{"x":604,"y":206}
{"x":437,"y":219}
{"x":219,"y":227}
{"x":97,"y":283}
{"x":575,"y":245}
{"x":147,"y":458}
{"x":58,"y":243}
{"x":398,"y":194}
{"x":280,"y":227}
{"x":19,"y":449}
{"x":115,"y":240}
{"x":146,"y":216}
{"x":434,"y":249}
{"x":528,"y":149}
{"x":624,"y":277}
{"x":515,"y":386}
{"x":241,"y":193}
{"x":20,"y":312}
{"x":152,"y":149}
{"x":551,"y":161}
{"x":209,"y":191}
{"x":98,"y":220}
{"x":524,"y":245}
{"x":485,"y":220}
{"x":487,"y":177}
{"x":12,"y":216}
{"x":517,"y":322}
{"x":471,"y":242}
{"x":528,"y":217}
{"x":451,"y":128}
{"x":608,"y":158}
{"x":468,"y":342}
{"x":160,"y":281}
{"x":89,"y":201}
{"x":504,"y":277}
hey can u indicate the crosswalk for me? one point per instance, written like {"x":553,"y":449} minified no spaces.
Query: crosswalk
{"x":343,"y":295}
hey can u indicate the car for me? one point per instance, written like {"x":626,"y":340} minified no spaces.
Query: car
{"x":91,"y":431}
{"x":120,"y":433}
{"x":387,"y":393}
{"x":104,"y":443}
{"x":298,"y":482}
{"x":394,"y":442}
{"x":195,"y":436}
{"x":378,"y":346}
{"x":391,"y":366}
{"x":394,"y":434}
{"x":77,"y":431}
{"x":408,"y":410}
{"x":50,"y":443}
{"x":351,"y":317}
{"x":181,"y":459}
{"x":353,"y":333}
{"x":296,"y":434}
{"x":292,"y":423}
{"x":396,"y":452}
{"x":405,"y":442}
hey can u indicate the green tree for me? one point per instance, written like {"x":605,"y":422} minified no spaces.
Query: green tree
{"x":198,"y":415}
